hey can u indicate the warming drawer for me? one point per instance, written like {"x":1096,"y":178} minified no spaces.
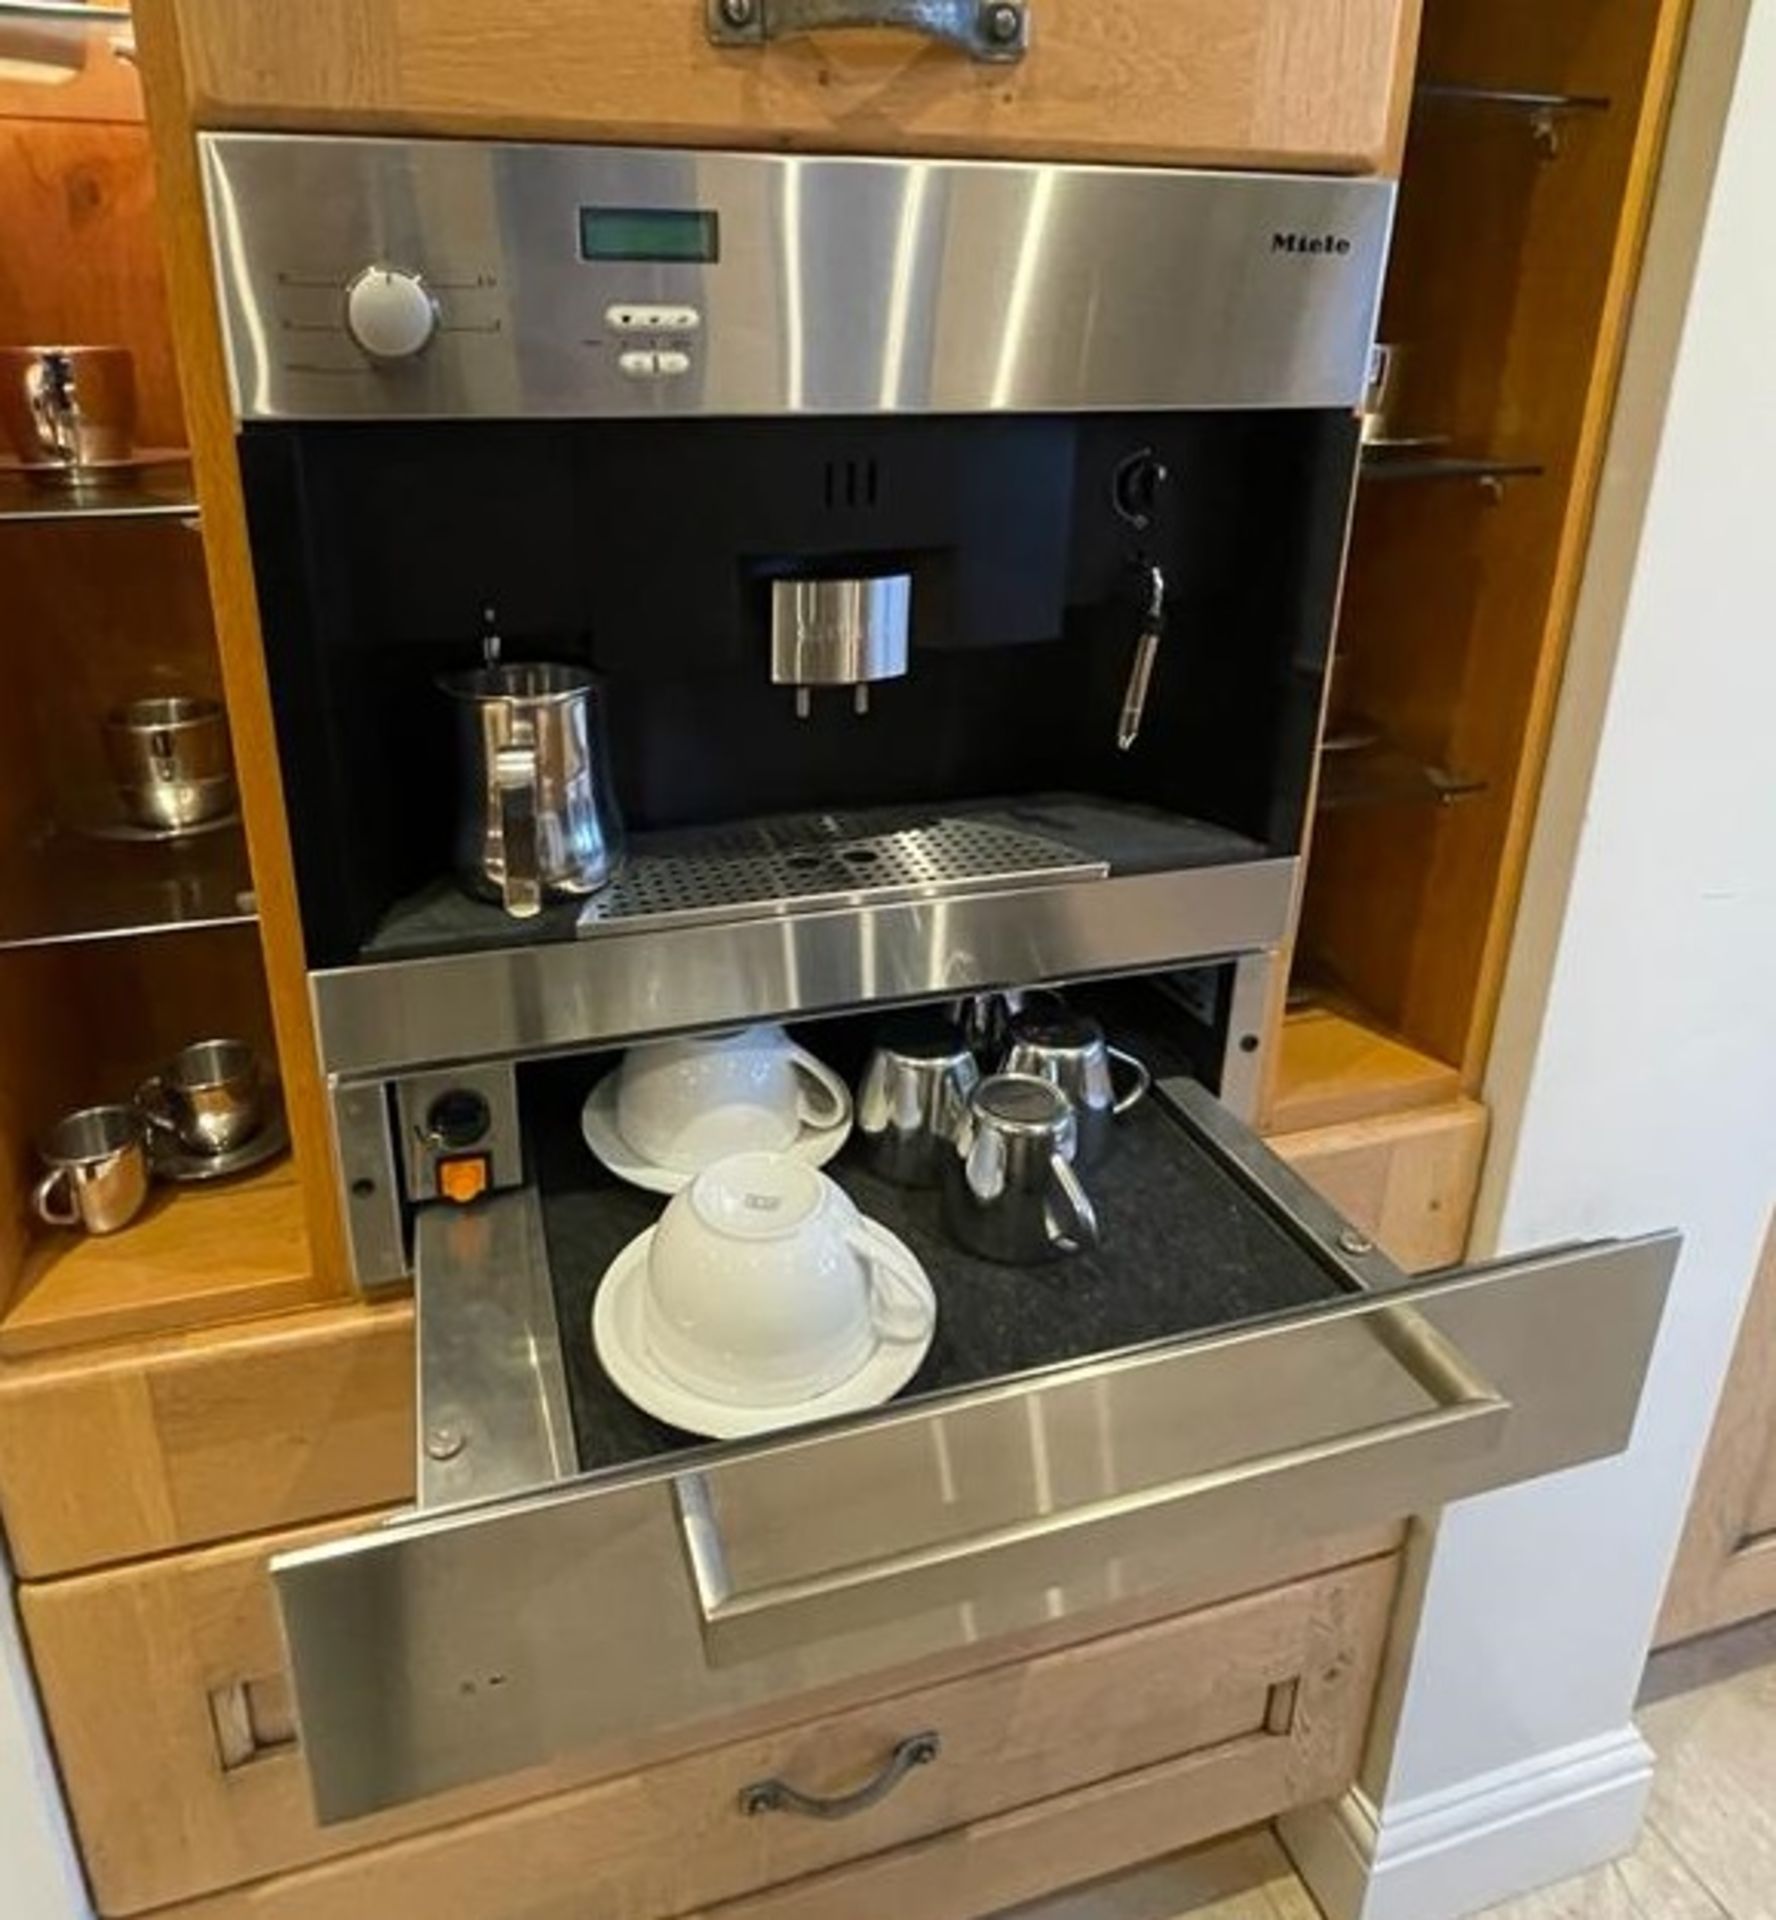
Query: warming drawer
{"x":1244,"y":1371}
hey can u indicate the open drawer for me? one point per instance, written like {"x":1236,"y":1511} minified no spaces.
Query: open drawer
{"x":573,"y":1578}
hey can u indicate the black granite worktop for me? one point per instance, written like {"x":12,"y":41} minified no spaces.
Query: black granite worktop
{"x":1184,"y":1250}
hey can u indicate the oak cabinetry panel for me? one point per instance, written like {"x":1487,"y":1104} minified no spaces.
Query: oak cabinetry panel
{"x":152,"y":1447}
{"x":168,"y":1702}
{"x":1726,"y":1566}
{"x":1298,"y":83}
{"x":1409,"y":1180}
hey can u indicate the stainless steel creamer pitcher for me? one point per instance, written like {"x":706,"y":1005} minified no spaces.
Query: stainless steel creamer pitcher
{"x":537,"y":820}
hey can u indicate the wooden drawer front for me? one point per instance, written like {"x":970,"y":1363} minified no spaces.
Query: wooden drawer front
{"x":184,"y":1441}
{"x":170,"y":1713}
{"x":1304,"y":83}
{"x":1409,"y":1180}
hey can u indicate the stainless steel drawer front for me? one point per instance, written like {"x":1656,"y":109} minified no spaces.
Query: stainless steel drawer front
{"x":409,"y":279}
{"x":466,"y":1644}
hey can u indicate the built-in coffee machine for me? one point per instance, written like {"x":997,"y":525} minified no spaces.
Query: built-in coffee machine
{"x":703,"y":592}
{"x":926,"y":534}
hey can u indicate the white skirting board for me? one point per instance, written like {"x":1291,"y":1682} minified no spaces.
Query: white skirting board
{"x":1467,"y":1848}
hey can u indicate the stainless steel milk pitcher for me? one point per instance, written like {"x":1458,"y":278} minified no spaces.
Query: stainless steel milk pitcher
{"x":537,"y":821}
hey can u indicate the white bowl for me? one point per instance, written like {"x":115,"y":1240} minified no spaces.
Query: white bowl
{"x":766,"y":1287}
{"x":684,"y":1104}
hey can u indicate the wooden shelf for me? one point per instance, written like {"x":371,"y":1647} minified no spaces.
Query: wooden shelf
{"x":197,"y":1256}
{"x":1333,"y":1068}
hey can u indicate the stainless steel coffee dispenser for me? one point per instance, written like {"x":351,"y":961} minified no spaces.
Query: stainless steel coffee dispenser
{"x":839,"y":633}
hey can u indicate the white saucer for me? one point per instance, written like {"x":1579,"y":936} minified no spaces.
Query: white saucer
{"x":621,"y":1348}
{"x":814,"y":1146}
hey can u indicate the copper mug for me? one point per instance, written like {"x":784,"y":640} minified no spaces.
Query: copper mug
{"x":70,"y":412}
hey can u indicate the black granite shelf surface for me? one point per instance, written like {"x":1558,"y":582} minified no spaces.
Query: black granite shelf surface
{"x":1185,"y":1250}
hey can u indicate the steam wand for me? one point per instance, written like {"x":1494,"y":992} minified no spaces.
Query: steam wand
{"x":1134,"y":699}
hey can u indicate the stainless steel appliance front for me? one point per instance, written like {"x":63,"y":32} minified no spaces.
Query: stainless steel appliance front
{"x":397,"y":1015}
{"x":393,"y":279}
{"x":521,"y":1616}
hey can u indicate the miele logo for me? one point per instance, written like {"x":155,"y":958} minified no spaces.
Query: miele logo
{"x":1333,"y":243}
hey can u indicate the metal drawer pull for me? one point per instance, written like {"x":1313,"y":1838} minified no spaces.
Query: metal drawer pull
{"x":778,"y":1796}
{"x":761,"y":1616}
{"x":997,"y":30}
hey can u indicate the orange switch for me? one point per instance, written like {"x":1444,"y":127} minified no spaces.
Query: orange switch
{"x":465,"y":1178}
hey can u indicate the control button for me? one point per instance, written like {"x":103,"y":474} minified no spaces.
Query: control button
{"x":672,"y":362}
{"x":465,"y":1178}
{"x":389,"y":313}
{"x":456,"y":1119}
{"x":630,"y":317}
{"x":639,"y":366}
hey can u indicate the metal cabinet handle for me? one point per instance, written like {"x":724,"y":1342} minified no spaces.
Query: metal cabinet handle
{"x":995,"y":30}
{"x":778,"y":1796}
{"x":746,"y":1620}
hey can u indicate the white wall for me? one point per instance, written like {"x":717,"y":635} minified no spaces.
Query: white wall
{"x":1634,"y":1081}
{"x":39,"y":1879}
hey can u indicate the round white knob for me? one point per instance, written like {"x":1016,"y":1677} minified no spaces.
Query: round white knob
{"x":389,"y":313}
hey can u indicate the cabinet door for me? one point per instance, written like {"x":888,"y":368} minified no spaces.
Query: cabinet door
{"x":1726,"y":1566}
{"x":1314,"y":84}
{"x":530,"y":1615}
{"x":168,"y":1696}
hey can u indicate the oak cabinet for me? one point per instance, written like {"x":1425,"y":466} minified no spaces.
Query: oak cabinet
{"x":170,"y":1706}
{"x":1285,"y":83}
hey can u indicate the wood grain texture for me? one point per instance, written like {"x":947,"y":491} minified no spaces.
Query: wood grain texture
{"x":236,"y":613}
{"x":1725,"y":1569}
{"x":1512,"y":281}
{"x":129,"y":1660}
{"x":1246,"y":1877}
{"x":98,"y":613}
{"x":96,"y":84}
{"x":81,"y":261}
{"x":1409,"y":1180}
{"x":1333,"y":1067}
{"x":195,"y":1256}
{"x":202,"y":1437}
{"x":1294,"y":83}
{"x":84,"y":1024}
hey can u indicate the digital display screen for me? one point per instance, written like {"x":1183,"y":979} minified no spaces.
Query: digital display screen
{"x":649,"y":233}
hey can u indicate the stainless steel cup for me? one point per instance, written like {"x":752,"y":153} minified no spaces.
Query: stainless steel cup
{"x":70,"y":412}
{"x":98,"y":1170}
{"x":1010,"y":1193}
{"x":1069,"y":1050}
{"x":913,"y":1098}
{"x":169,"y":757}
{"x":210,"y":1098}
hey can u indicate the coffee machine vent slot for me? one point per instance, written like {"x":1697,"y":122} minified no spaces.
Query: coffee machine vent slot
{"x":806,"y":862}
{"x":851,"y":484}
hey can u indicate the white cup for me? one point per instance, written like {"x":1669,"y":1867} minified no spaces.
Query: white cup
{"x":766,"y":1287}
{"x":684,"y":1104}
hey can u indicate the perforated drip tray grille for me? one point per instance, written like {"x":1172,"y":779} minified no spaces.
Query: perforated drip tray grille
{"x":806,"y":861}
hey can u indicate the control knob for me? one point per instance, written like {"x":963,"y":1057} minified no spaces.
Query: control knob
{"x":390,"y":313}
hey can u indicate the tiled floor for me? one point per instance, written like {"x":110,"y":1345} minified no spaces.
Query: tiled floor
{"x":1708,"y":1851}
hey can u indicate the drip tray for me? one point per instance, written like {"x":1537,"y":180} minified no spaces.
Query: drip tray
{"x":809,"y":861}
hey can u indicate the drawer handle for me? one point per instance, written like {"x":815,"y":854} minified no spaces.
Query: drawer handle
{"x":995,"y":30}
{"x":746,"y":1621}
{"x":778,"y":1796}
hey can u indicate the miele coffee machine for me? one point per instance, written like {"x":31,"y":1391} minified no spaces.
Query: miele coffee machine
{"x":937,"y":533}
{"x":933,"y":566}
